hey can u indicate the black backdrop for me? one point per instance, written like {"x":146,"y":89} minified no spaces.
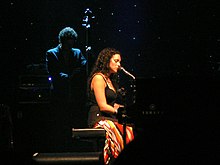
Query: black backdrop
{"x":156,"y":38}
{"x":161,"y":41}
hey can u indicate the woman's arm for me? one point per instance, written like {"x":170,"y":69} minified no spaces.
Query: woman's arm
{"x":98,"y":85}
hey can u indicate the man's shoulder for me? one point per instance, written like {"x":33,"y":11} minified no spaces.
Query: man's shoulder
{"x":53,"y":50}
{"x":77,"y":50}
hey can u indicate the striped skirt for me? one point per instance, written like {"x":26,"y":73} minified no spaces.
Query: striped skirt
{"x":114,"y":142}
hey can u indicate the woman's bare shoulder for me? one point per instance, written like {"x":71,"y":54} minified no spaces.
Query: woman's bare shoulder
{"x":98,"y":76}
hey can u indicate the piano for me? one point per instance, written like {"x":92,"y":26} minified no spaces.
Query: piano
{"x":181,"y":99}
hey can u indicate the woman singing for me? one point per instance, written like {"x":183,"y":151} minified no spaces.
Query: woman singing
{"x":103,"y":109}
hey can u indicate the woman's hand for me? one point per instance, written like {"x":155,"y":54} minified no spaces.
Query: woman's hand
{"x":116,"y":106}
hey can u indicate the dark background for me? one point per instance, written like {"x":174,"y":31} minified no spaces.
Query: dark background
{"x":156,"y":38}
{"x":172,"y":48}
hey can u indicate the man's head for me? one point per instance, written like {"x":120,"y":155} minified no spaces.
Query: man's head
{"x":67,"y":37}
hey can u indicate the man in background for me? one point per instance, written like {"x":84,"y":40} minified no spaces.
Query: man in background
{"x":66,"y":67}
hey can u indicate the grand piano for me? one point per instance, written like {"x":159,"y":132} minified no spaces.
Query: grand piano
{"x":176,"y":99}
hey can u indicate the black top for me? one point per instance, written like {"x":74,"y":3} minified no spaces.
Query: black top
{"x":95,"y":114}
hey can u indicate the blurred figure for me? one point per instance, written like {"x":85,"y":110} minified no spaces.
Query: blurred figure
{"x":66,"y":67}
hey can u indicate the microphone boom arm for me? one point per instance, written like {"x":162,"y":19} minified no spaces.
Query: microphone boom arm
{"x":126,"y":72}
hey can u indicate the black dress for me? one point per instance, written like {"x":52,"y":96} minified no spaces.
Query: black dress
{"x":114,"y":141}
{"x":95,"y":114}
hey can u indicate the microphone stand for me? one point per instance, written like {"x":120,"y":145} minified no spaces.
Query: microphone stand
{"x":124,"y":116}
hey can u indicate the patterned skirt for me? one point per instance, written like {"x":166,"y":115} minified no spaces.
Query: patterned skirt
{"x":114,"y":142}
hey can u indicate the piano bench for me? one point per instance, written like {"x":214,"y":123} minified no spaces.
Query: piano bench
{"x":94,"y":136}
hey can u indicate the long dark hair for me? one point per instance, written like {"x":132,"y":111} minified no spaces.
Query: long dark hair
{"x":102,"y":65}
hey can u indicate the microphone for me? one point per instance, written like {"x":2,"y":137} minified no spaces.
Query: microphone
{"x":126,"y":72}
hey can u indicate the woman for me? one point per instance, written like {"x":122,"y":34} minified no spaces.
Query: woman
{"x":103,"y":109}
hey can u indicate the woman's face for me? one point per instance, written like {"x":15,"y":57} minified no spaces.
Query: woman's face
{"x":114,"y":63}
